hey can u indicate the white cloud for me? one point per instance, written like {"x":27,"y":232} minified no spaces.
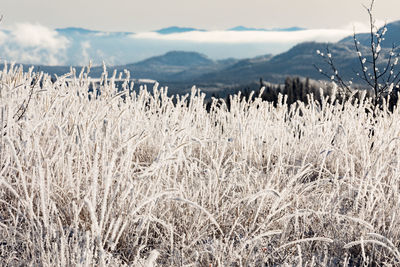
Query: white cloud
{"x":33,"y":44}
{"x":249,"y":36}
{"x":35,"y":35}
{"x":102,"y":34}
{"x":85,"y":52}
{"x":3,"y":37}
{"x":361,"y":27}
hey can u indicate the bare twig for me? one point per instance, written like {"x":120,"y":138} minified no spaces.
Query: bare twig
{"x":381,"y":82}
{"x":24,"y":106}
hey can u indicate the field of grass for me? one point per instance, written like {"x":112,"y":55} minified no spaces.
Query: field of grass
{"x":143,"y":181}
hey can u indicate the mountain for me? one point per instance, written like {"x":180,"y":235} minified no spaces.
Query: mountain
{"x":177,"y":66}
{"x":302,"y":60}
{"x":75,"y":30}
{"x":242,"y":28}
{"x":290,"y":29}
{"x":174,"y":66}
{"x":298,"y":61}
{"x":82,"y":32}
{"x":242,"y":71}
{"x":176,"y":58}
{"x":175,"y":29}
{"x":182,"y":69}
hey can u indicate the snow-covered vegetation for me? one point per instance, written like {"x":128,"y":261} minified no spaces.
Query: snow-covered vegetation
{"x":146,"y":179}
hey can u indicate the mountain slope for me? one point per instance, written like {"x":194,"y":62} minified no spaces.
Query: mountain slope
{"x":300,"y":60}
{"x":172,"y":66}
{"x":176,"y":58}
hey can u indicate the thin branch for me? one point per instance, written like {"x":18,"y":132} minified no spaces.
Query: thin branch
{"x":363,"y":67}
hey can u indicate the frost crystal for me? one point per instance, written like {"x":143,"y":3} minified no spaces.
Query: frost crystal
{"x":378,"y":48}
{"x":390,"y":89}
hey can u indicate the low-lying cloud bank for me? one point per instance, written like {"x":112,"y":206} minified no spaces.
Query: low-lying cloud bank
{"x":233,"y":37}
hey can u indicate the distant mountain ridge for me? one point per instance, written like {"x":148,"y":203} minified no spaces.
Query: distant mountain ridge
{"x":177,"y":66}
{"x":83,"y":31}
{"x":182,"y":69}
{"x":176,"y":29}
{"x":76,"y":30}
{"x":177,"y":58}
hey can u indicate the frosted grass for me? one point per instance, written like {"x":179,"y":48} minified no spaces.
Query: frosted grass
{"x":147,"y":180}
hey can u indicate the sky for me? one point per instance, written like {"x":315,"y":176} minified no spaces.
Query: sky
{"x":149,"y":15}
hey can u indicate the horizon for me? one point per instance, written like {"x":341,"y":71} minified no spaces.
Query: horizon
{"x":124,"y":16}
